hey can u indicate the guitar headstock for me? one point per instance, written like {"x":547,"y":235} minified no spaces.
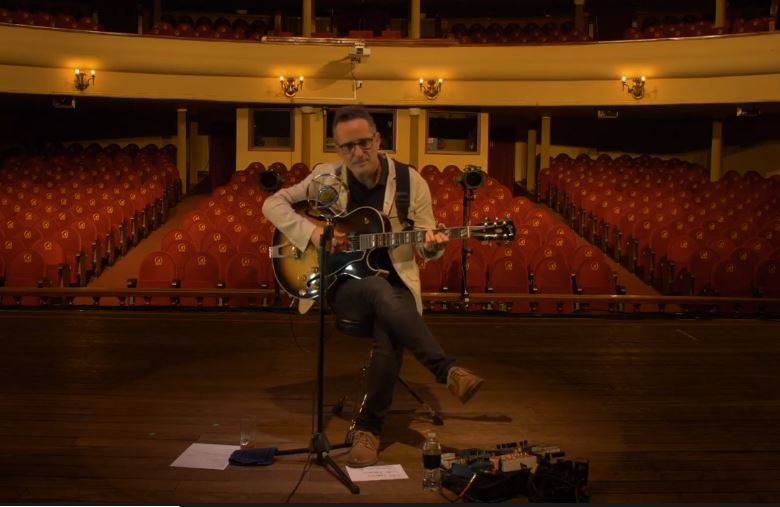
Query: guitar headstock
{"x":497,"y":230}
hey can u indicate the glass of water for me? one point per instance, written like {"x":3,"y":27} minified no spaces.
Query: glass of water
{"x":248,"y":424}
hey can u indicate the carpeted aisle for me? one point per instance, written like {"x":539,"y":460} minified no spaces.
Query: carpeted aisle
{"x":127,"y":267}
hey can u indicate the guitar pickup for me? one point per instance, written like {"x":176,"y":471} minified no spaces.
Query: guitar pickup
{"x":276,"y":252}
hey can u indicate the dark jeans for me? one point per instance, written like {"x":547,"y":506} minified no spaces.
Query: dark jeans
{"x":396,"y":325}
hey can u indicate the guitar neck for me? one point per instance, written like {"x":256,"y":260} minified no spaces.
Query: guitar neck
{"x":393,"y":239}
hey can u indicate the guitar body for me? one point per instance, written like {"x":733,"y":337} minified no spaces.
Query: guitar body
{"x":297,"y":272}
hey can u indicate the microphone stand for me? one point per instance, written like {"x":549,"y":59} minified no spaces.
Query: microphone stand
{"x":319,"y":441}
{"x":465,"y":251}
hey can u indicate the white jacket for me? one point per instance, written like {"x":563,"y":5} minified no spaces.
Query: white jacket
{"x":278,"y":209}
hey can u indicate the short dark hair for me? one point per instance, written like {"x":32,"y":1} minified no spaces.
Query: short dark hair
{"x":348,"y":113}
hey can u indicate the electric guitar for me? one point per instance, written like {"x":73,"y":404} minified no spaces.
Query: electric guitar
{"x":367,"y":230}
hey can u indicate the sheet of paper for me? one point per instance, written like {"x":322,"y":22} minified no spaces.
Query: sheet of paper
{"x":211,"y":456}
{"x":377,"y":473}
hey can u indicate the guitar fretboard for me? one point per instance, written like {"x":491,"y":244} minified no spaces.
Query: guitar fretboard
{"x":393,"y":239}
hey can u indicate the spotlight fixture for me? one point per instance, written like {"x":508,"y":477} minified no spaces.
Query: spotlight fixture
{"x":83,"y":80}
{"x":431,"y":87}
{"x":635,"y":86}
{"x":291,"y":85}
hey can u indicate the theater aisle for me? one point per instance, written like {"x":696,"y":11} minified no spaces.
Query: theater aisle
{"x":127,"y":267}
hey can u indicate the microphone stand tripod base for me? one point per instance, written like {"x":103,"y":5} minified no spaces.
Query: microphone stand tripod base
{"x":319,"y":444}
{"x":321,"y":448}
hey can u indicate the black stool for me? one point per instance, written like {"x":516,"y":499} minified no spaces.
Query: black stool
{"x":363,"y":329}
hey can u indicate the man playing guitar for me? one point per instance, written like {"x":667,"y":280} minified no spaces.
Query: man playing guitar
{"x":392,"y":304}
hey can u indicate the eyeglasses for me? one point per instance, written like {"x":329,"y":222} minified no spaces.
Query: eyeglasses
{"x":365,"y":144}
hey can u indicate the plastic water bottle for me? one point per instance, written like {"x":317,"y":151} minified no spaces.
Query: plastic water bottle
{"x":431,"y":463}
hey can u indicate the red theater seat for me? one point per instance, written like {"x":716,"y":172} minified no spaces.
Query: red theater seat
{"x":180,"y":252}
{"x":551,"y":276}
{"x":57,"y":267}
{"x":26,"y":269}
{"x":508,"y":274}
{"x":766,"y":278}
{"x":201,"y":271}
{"x":476,"y":279}
{"x":198,"y":231}
{"x":27,"y":236}
{"x":585,"y":253}
{"x":157,"y":271}
{"x":184,"y":30}
{"x":70,"y":241}
{"x":222,"y":252}
{"x":732,"y":279}
{"x":550,"y":252}
{"x":163,"y":28}
{"x":360,"y":34}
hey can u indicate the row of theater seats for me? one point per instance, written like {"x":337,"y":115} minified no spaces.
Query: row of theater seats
{"x":240,"y":28}
{"x":42,"y":18}
{"x":242,"y":33}
{"x":698,"y":28}
{"x":668,"y":223}
{"x":476,"y":33}
{"x":207,"y":31}
{"x":514,"y":33}
{"x":67,"y":214}
{"x":224,"y":244}
{"x":545,"y":257}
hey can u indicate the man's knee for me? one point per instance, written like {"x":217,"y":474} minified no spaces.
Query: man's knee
{"x":375,"y":288}
{"x":383,"y":297}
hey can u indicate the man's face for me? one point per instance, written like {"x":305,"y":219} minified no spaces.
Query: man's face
{"x":358,"y":146}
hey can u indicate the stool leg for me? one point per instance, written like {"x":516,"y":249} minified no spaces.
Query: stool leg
{"x":437,"y":420}
{"x":362,"y":393}
{"x":359,"y":393}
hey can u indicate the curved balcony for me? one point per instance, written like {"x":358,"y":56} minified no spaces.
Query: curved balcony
{"x":699,"y":70}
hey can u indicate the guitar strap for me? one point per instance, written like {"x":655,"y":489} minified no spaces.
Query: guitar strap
{"x":402,"y":195}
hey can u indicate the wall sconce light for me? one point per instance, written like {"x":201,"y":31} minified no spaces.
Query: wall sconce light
{"x":431,"y":88}
{"x":291,"y":85}
{"x":635,"y":86}
{"x":83,"y":80}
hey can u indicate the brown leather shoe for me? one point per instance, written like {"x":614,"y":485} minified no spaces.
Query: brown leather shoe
{"x":463,"y":383}
{"x":365,"y":449}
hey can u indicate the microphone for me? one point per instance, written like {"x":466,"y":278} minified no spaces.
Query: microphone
{"x":270,"y":180}
{"x":472,"y":177}
{"x":327,"y":196}
{"x":324,"y":193}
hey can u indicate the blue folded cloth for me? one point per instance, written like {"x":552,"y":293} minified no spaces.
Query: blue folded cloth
{"x":262,"y":456}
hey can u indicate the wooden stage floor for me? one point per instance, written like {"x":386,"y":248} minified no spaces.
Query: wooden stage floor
{"x":97,"y":404}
